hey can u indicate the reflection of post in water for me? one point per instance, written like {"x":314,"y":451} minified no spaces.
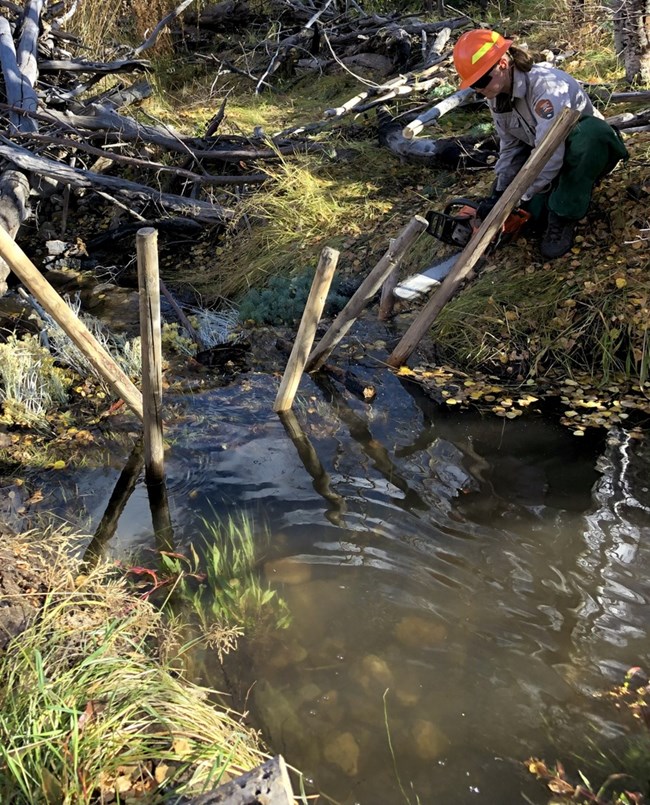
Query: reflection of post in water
{"x":160,"y":516}
{"x":119,"y":497}
{"x":312,"y":464}
{"x":361,"y":434}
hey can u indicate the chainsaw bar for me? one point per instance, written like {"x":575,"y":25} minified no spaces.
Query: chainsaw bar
{"x":426,"y":280}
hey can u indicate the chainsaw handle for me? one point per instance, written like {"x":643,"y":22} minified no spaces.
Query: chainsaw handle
{"x":460,"y":202}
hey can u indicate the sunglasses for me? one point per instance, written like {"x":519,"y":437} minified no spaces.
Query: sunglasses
{"x":483,"y":81}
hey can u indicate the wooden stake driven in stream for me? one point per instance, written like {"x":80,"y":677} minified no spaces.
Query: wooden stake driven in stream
{"x":150,"y":335}
{"x":364,"y":293}
{"x":474,"y":250}
{"x":76,"y":330}
{"x":307,"y":330}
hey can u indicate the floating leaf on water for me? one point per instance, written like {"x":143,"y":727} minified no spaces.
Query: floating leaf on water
{"x":527,"y":400}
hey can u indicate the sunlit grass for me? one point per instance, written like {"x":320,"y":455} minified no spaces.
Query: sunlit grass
{"x":30,"y":384}
{"x":87,"y":708}
{"x":305,"y":206}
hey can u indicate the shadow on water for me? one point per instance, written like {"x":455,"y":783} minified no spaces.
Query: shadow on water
{"x":460,"y":584}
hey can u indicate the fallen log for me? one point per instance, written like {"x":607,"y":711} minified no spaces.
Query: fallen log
{"x":206,"y":179}
{"x":447,"y":152}
{"x":446,"y":105}
{"x":99,"y":68}
{"x":78,"y":177}
{"x":126,"y":129}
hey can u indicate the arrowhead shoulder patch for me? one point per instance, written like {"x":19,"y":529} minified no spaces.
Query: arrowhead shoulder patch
{"x":544,"y":108}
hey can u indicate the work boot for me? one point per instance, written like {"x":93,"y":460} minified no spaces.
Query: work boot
{"x":558,"y":237}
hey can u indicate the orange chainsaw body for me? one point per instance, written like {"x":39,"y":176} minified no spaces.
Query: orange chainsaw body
{"x":458,"y":223}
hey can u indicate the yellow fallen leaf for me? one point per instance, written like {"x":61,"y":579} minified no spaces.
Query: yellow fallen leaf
{"x":621,"y":282}
{"x":58,"y":465}
{"x":123,"y":783}
{"x":181,"y":747}
{"x":161,"y":772}
{"x":404,"y":371}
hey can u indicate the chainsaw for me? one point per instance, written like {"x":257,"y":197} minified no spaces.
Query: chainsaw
{"x":456,"y":226}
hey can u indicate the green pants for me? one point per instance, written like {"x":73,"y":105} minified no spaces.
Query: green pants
{"x":593,"y":149}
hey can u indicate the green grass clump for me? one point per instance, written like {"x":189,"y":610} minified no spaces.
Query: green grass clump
{"x":219,"y":585}
{"x":90,"y":711}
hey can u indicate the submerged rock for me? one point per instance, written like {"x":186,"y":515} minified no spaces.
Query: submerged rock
{"x":342,"y":750}
{"x":430,"y":742}
{"x":416,"y":632}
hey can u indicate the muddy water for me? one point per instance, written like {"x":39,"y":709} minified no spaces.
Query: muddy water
{"x":459,"y":587}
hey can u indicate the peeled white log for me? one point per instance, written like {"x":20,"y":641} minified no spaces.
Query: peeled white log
{"x":446,"y":105}
{"x":28,"y":44}
{"x":19,"y":91}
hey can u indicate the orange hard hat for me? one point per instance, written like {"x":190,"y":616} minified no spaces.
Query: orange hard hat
{"x":476,"y":52}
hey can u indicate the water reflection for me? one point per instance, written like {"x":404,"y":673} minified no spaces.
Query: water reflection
{"x":459,"y":586}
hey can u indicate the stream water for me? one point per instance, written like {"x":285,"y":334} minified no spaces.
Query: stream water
{"x":459,"y":586}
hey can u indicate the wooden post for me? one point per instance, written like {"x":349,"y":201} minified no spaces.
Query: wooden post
{"x":78,"y":333}
{"x":387,"y":298}
{"x":307,"y":330}
{"x":364,"y":293}
{"x":161,"y":516}
{"x":474,"y":250}
{"x":150,"y":335}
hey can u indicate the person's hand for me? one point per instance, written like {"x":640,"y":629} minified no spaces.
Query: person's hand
{"x":485,"y":205}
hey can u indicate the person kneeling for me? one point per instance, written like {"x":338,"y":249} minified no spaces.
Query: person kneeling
{"x":524,"y":98}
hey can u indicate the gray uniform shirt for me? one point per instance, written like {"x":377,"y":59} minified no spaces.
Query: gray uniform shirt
{"x":537,"y":98}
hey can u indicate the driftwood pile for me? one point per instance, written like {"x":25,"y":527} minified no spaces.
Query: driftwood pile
{"x":60,"y":138}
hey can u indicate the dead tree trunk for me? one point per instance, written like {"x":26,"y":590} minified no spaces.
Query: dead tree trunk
{"x":632,"y":38}
{"x":14,"y":186}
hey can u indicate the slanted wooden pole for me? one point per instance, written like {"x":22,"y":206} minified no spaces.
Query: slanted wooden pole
{"x":387,"y":298}
{"x":364,"y":293}
{"x":150,"y":336}
{"x":178,"y":310}
{"x":78,"y":333}
{"x":307,"y":329}
{"x":474,"y":250}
